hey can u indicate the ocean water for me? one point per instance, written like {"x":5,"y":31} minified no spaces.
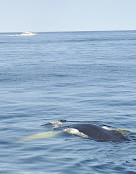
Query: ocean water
{"x":77,"y":76}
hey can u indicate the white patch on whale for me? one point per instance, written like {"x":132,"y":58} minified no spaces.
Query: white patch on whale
{"x":107,"y":128}
{"x":74,"y":131}
{"x":117,"y":129}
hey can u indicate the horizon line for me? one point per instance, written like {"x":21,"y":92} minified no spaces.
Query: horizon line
{"x":70,"y":31}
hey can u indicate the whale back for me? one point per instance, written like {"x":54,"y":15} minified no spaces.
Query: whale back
{"x":99,"y":133}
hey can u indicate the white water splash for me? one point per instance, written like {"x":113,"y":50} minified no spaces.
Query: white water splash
{"x":56,"y":124}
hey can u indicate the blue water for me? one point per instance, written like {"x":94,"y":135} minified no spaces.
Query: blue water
{"x":85,"y":76}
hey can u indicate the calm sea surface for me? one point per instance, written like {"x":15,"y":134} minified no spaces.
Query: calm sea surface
{"x":77,"y":76}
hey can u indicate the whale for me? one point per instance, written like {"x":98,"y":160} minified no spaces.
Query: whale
{"x":95,"y":132}
{"x":84,"y":130}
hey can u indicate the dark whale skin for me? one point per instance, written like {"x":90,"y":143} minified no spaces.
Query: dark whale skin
{"x":98,"y":133}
